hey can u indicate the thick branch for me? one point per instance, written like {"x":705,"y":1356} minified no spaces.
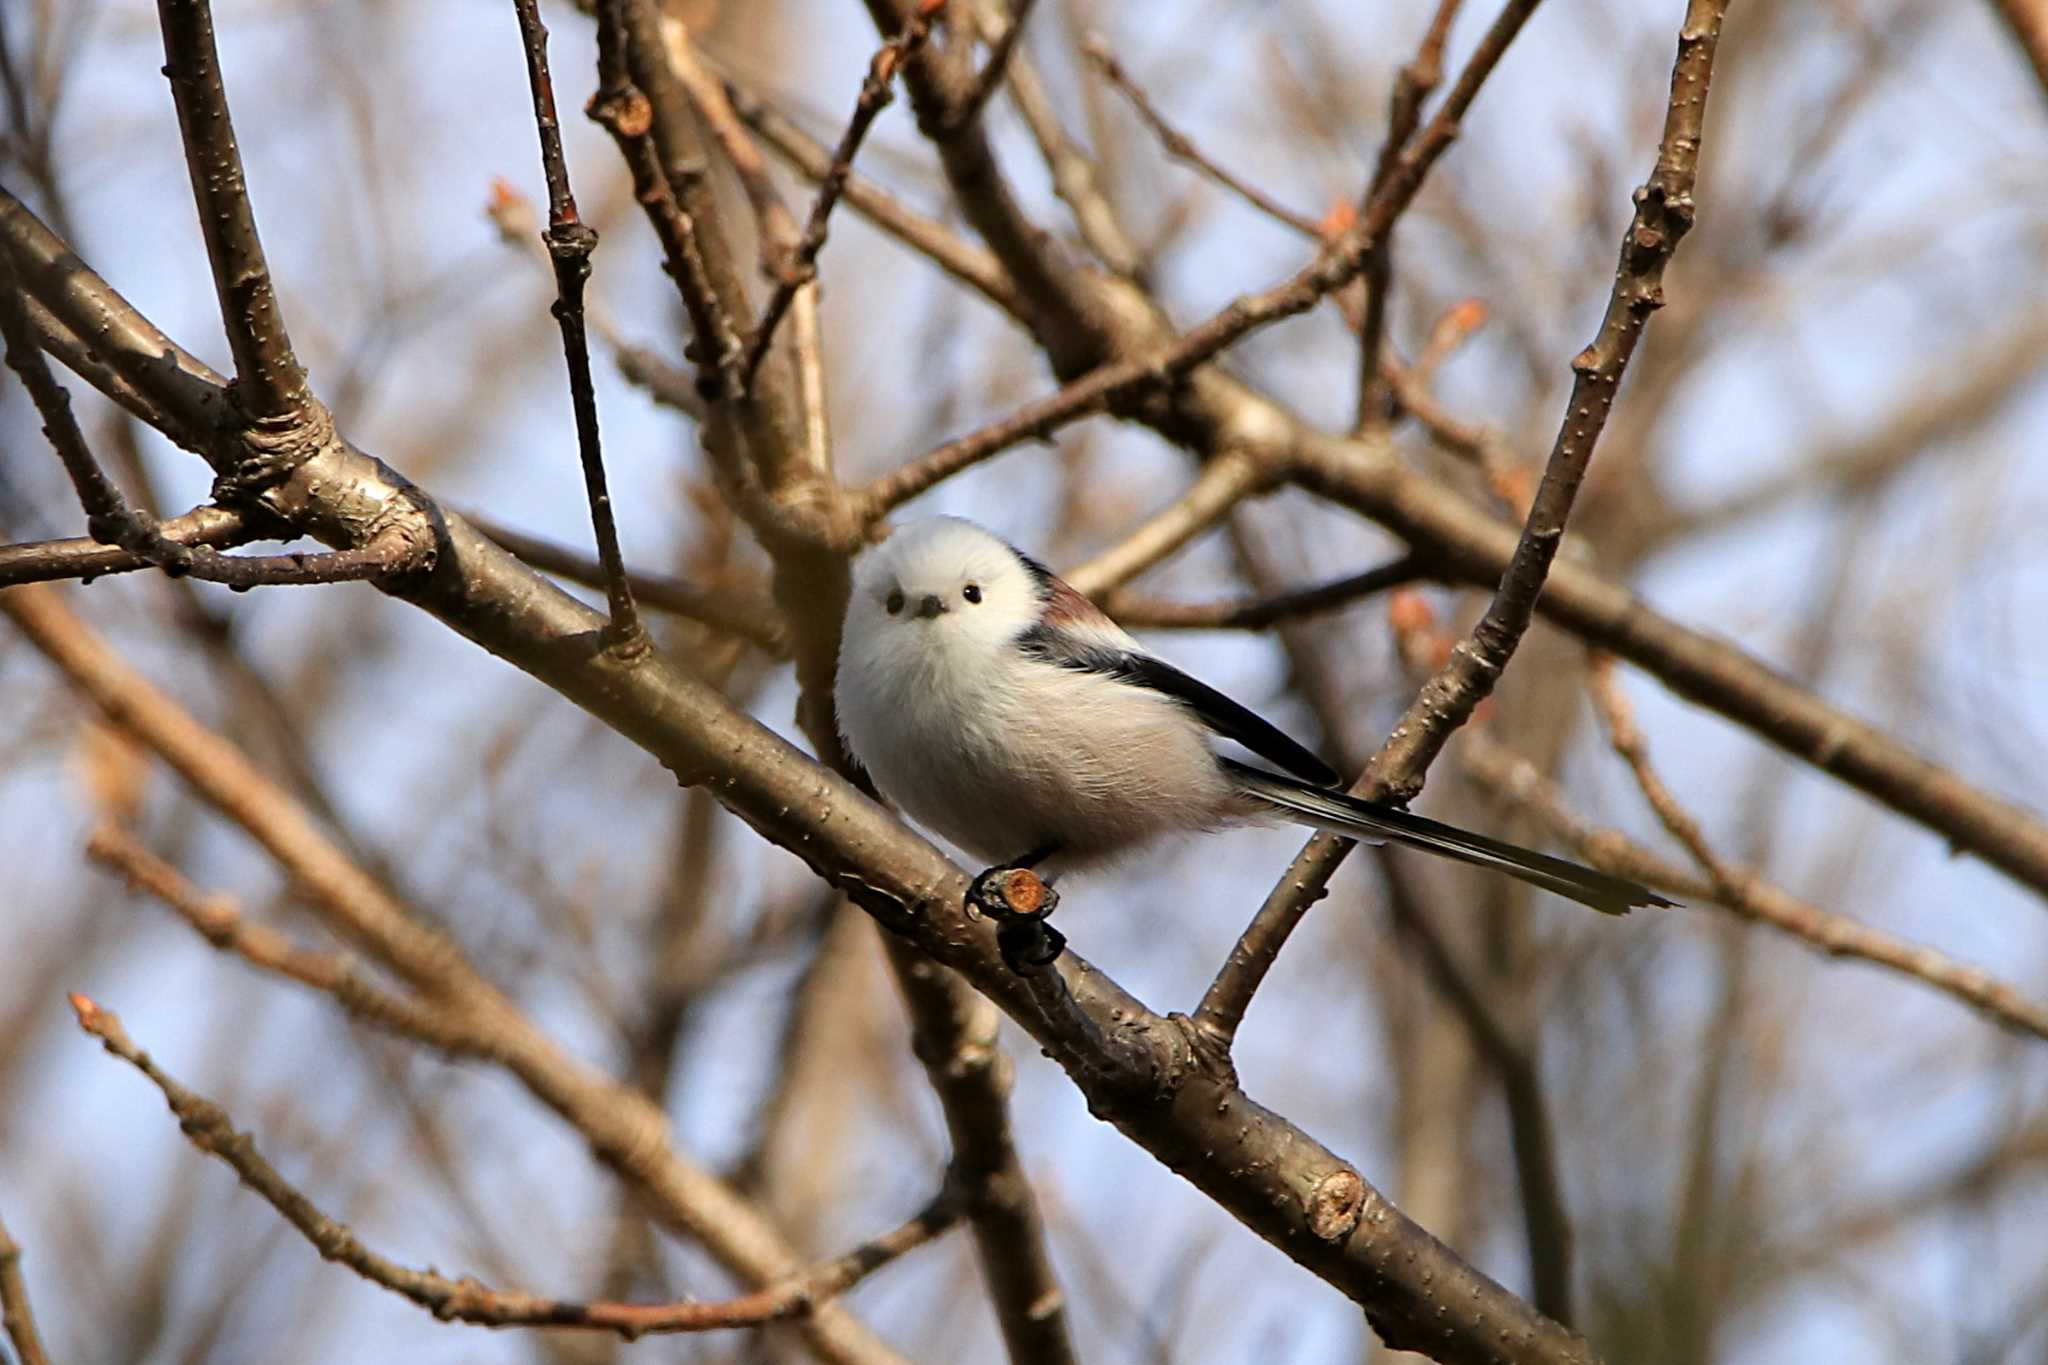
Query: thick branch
{"x":1263,"y":1169}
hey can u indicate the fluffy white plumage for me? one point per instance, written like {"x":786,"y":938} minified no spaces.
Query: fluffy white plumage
{"x":1003,"y":711}
{"x":998,"y":749}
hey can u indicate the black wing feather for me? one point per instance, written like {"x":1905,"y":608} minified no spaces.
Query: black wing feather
{"x":1226,"y":717}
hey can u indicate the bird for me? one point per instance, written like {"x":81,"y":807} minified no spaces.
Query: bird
{"x":1002,"y":710}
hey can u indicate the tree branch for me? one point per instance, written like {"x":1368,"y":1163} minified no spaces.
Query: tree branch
{"x":1517,"y":780}
{"x":1258,"y":613}
{"x":624,"y":1129}
{"x":1181,"y":147}
{"x":744,"y":614}
{"x":209,"y":1128}
{"x":15,"y":1314}
{"x":1664,"y":213}
{"x":82,"y":557}
{"x":218,"y":922}
{"x":800,"y":267}
{"x":271,"y":383}
{"x":570,"y":242}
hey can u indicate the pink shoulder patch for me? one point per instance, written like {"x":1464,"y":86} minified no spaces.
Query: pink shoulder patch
{"x":1066,"y":608}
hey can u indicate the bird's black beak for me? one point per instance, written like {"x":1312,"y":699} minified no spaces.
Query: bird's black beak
{"x":933,"y":605}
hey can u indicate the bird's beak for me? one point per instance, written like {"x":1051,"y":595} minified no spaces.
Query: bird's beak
{"x":933,"y":605}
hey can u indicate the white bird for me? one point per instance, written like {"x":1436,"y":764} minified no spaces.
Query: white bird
{"x":1003,"y":711}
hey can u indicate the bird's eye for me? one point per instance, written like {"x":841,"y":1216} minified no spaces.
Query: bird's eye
{"x":972,"y":592}
{"x":894,"y":602}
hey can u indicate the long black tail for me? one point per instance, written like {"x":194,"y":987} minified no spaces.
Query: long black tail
{"x":1339,"y":813}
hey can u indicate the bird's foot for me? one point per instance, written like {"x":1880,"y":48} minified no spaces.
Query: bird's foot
{"x":1018,"y":900}
{"x":1029,"y":945}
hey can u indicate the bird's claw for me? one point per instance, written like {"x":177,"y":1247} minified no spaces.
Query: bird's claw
{"x":1018,"y":900}
{"x":1029,"y":945}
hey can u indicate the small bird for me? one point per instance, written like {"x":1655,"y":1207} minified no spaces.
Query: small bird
{"x":1004,"y":711}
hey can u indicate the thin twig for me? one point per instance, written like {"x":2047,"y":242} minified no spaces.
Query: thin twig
{"x":222,"y":925}
{"x":1417,"y":79}
{"x":624,"y":111}
{"x":512,"y":214}
{"x":271,"y":384}
{"x":570,"y":241}
{"x":777,"y":235}
{"x":622,"y":1127}
{"x":134,"y":532}
{"x":990,"y":77}
{"x":15,"y":1314}
{"x":1225,"y":480}
{"x":1076,"y":175}
{"x":1664,"y":213}
{"x":1331,"y":270}
{"x":1260,"y":612}
{"x":82,"y":557}
{"x":741,"y":613}
{"x":801,"y":266}
{"x":210,"y":1128}
{"x":1518,"y":781}
{"x":1182,"y":147}
{"x":968,"y":262}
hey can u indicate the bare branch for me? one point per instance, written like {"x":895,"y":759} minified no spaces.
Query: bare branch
{"x":956,"y":1038}
{"x":1225,"y":481}
{"x":1448,"y":698}
{"x":1417,"y":79}
{"x":1182,"y":147}
{"x":990,"y":77}
{"x":84,"y":558}
{"x":800,"y":268}
{"x":967,"y":262}
{"x":1076,"y":175}
{"x":272,"y":384}
{"x":124,"y":344}
{"x":15,"y":1314}
{"x":625,"y":1129}
{"x":211,"y":1130}
{"x":625,"y":111}
{"x":570,"y":241}
{"x":1258,"y":613}
{"x":220,"y":924}
{"x":1664,"y":212}
{"x":1517,"y":780}
{"x":744,"y":615}
{"x":112,"y":522}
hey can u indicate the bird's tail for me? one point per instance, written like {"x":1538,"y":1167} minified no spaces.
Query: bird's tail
{"x":1338,"y":813}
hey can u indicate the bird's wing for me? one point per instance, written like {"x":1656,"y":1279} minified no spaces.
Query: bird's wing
{"x":1089,"y":652}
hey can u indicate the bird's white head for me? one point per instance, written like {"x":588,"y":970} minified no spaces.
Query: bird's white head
{"x":943,"y":585}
